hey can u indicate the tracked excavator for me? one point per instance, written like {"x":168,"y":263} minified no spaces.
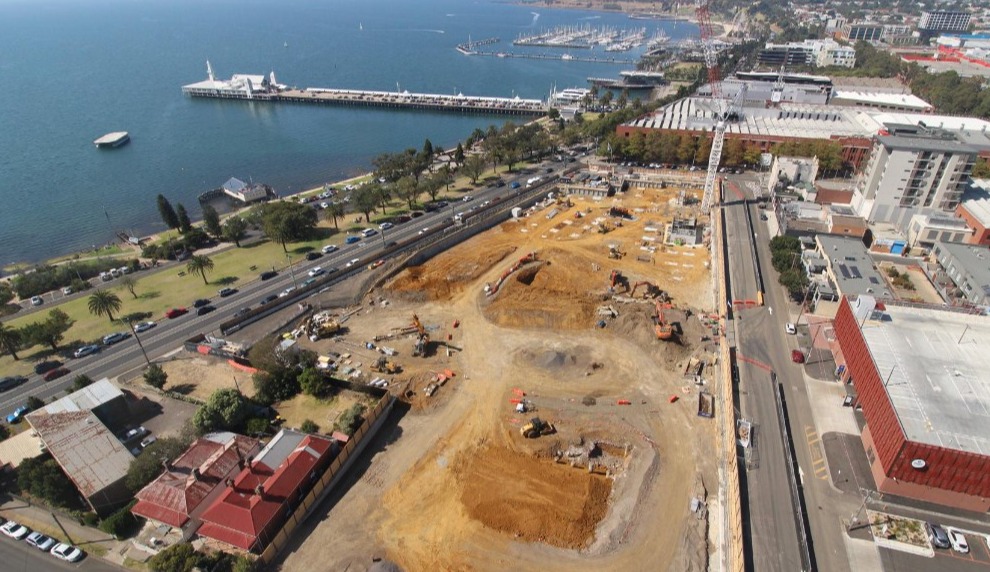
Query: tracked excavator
{"x":663,"y":329}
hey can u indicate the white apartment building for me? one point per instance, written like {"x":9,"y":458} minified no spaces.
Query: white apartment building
{"x":817,"y":53}
{"x":913,"y":169}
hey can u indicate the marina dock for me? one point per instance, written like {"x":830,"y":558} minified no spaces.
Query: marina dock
{"x":262,"y":88}
{"x":565,"y":57}
{"x":112,"y":140}
{"x":468,"y":48}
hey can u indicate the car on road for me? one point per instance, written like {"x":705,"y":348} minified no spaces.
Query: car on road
{"x":797,"y":356}
{"x":174,"y":313}
{"x":937,"y":535}
{"x":425,"y":230}
{"x":467,"y":198}
{"x":500,"y":183}
{"x":385,"y":226}
{"x":67,"y":290}
{"x":376,"y":264}
{"x":17,"y":414}
{"x":368,"y":232}
{"x":308,"y":281}
{"x":46,"y":366}
{"x":268,"y":275}
{"x":316,"y":271}
{"x":790,"y":328}
{"x":144,"y":326}
{"x":352,"y":262}
{"x":55,"y":373}
{"x":36,"y":301}
{"x":200,"y":303}
{"x":329,"y":248}
{"x":352,"y":239}
{"x":391,"y":244}
{"x":515,"y":184}
{"x":204,"y":310}
{"x":287,"y":291}
{"x":11,"y":381}
{"x":132,"y":434}
{"x":242,"y":312}
{"x":958,"y":541}
{"x":111,"y":339}
{"x":40,"y":541}
{"x":763,"y":216}
{"x":15,"y":530}
{"x":313,"y":255}
{"x":67,"y":552}
{"x":86,"y":350}
{"x":224,"y":292}
{"x":268,"y":299}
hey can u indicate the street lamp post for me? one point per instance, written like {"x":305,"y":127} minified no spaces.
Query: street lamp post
{"x":140,"y":345}
{"x":292,"y":271}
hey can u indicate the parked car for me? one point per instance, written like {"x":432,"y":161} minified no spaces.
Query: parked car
{"x":17,"y":414}
{"x":132,"y":434}
{"x":86,"y":350}
{"x":111,"y":339}
{"x":224,"y":292}
{"x":313,"y":255}
{"x":200,"y":303}
{"x":937,"y":535}
{"x":797,"y":356}
{"x":144,"y":326}
{"x":268,"y":299}
{"x":46,"y":366}
{"x":173,"y":313}
{"x":352,"y":239}
{"x":329,"y":248}
{"x":36,"y":301}
{"x":202,"y":311}
{"x":11,"y":381}
{"x":67,"y":290}
{"x":55,"y":373}
{"x":67,"y":552}
{"x":148,"y":440}
{"x":958,"y":541}
{"x":790,"y":328}
{"x":40,"y":541}
{"x":316,"y":271}
{"x":15,"y":530}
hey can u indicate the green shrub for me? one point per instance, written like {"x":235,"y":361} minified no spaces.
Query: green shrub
{"x":122,"y":523}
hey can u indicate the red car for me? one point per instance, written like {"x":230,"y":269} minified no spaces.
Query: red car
{"x":56,"y":373}
{"x":797,"y":356}
{"x":175,"y":312}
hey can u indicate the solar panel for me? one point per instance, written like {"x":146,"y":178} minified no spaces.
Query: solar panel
{"x":855,"y":272}
{"x":844,"y":271}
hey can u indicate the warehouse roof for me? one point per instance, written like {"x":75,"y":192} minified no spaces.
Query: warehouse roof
{"x":933,"y":363}
{"x":971,"y":260}
{"x":86,"y":399}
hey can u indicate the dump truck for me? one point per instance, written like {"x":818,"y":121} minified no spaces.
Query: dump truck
{"x":537,"y":427}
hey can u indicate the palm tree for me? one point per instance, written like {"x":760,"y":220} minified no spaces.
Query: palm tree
{"x":201,"y":265}
{"x":10,"y":340}
{"x":103,"y":302}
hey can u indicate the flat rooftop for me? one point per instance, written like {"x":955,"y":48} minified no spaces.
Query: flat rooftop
{"x":937,"y":362}
{"x":853,"y":267}
{"x":111,"y":138}
{"x":974,"y":260}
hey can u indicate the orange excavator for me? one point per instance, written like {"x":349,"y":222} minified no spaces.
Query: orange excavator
{"x":663,"y":330}
{"x":422,"y":337}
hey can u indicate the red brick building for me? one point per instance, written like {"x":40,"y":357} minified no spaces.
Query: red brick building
{"x":919,"y":376}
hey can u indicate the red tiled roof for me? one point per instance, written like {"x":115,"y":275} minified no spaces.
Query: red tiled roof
{"x":176,"y":493}
{"x":241,"y":516}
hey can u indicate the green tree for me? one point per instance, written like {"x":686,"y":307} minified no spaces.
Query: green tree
{"x":146,"y":467}
{"x":211,"y":221}
{"x":155,"y":376}
{"x":473,"y":167}
{"x":407,"y":190}
{"x":49,"y":332}
{"x":309,"y":426}
{"x":80,"y":381}
{"x":234,"y":229}
{"x":103,"y":303}
{"x":256,"y":426}
{"x":200,"y":264}
{"x":167,"y":213}
{"x":34,"y":403}
{"x":312,"y":383}
{"x":10,"y":340}
{"x":428,"y":148}
{"x":129,"y":283}
{"x":180,"y":557}
{"x":225,"y":410}
{"x":286,"y":222}
{"x":794,"y":280}
{"x":43,"y":478}
{"x":335,"y":210}
{"x":350,"y":420}
{"x":981,"y":169}
{"x":185,"y":225}
{"x":459,"y":154}
{"x":365,"y":200}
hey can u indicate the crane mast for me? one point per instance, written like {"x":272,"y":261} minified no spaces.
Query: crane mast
{"x":714,"y":77}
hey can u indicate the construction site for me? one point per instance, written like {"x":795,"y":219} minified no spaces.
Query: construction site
{"x":557,"y":372}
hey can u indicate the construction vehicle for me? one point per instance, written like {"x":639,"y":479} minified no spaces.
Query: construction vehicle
{"x":604,"y":228}
{"x":321,"y":325}
{"x":652,"y":290}
{"x":422,"y":337}
{"x":620,"y":212}
{"x":614,"y":253}
{"x":385,"y":365}
{"x":617,"y":279}
{"x":663,"y":330}
{"x":537,"y":427}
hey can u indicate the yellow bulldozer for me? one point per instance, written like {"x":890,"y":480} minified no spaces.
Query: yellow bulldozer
{"x":537,"y":427}
{"x":385,"y":365}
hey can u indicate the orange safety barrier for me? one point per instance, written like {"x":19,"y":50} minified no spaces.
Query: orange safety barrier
{"x":242,"y":367}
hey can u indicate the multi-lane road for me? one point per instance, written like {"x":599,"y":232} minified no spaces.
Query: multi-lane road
{"x":168,"y":335}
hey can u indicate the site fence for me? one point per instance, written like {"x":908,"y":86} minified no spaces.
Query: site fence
{"x":373,"y":420}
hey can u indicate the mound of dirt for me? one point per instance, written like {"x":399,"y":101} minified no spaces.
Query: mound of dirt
{"x":550,"y":294}
{"x":556,"y":358}
{"x":446,"y":274}
{"x":532,"y":499}
{"x":635,"y":323}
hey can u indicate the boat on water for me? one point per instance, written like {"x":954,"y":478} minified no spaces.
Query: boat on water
{"x":567,"y":57}
{"x":112,"y":140}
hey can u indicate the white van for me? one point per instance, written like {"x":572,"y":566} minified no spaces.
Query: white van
{"x":106,"y":276}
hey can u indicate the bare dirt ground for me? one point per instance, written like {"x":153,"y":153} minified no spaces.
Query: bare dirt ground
{"x":199,"y":376}
{"x":456,"y":487}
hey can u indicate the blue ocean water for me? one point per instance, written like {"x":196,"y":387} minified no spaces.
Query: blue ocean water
{"x":73,"y":70}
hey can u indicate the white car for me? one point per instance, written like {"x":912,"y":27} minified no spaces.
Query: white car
{"x":86,"y":350}
{"x":958,"y":541}
{"x":144,"y":326}
{"x":36,"y":301}
{"x":316,"y":271}
{"x":40,"y":541}
{"x":368,"y":232}
{"x":425,"y":230}
{"x":790,"y":328}
{"x":67,"y":290}
{"x":14,"y":530}
{"x":67,"y":552}
{"x":287,"y":291}
{"x":385,"y":225}
{"x":330,"y":248}
{"x":352,"y":262}
{"x":467,"y":198}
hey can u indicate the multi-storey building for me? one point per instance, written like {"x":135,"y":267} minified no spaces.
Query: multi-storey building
{"x":933,"y":22}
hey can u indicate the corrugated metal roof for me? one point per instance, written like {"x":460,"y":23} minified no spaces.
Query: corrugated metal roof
{"x":24,"y":445}
{"x":86,"y":399}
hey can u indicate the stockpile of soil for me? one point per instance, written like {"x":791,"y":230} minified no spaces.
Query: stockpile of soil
{"x":635,"y":323}
{"x":549,"y":294}
{"x":446,"y":274}
{"x":532,"y":499}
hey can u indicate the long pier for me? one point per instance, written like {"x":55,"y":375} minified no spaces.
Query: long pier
{"x":565,"y":57}
{"x":468,"y":48}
